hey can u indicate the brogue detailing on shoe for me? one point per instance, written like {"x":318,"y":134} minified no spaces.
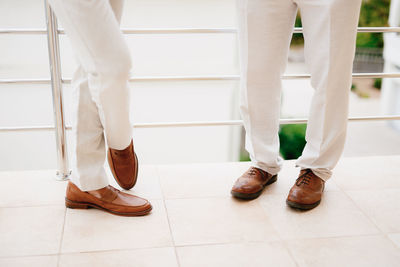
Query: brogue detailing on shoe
{"x":305,"y":178}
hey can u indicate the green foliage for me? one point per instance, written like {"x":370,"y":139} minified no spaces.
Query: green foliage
{"x":244,"y":157}
{"x":298,"y":37}
{"x":378,"y":83}
{"x":374,"y":13}
{"x":292,"y":140}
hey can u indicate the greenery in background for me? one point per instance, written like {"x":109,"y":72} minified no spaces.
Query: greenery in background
{"x":244,"y":157}
{"x":292,"y":140}
{"x":378,"y":83}
{"x":374,"y":13}
{"x":298,"y":37}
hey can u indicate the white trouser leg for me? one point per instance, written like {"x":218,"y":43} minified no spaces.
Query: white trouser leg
{"x":330,"y":31}
{"x":100,"y":85}
{"x":265,"y":31}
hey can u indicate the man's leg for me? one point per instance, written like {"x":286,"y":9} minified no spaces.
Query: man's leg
{"x":93,"y":30}
{"x":265,"y":31}
{"x":88,"y":142}
{"x":330,"y":29}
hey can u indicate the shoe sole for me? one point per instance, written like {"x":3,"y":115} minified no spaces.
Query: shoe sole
{"x":300,"y":206}
{"x":111,"y":164}
{"x":83,"y":205}
{"x":249,"y":196}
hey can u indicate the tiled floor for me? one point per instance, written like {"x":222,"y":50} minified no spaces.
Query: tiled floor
{"x":195,"y":222}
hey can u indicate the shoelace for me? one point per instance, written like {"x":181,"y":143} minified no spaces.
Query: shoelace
{"x":253,"y":171}
{"x":305,"y":178}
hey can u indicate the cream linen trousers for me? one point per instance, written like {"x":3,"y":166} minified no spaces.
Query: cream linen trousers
{"x":100,"y":84}
{"x":265,"y":31}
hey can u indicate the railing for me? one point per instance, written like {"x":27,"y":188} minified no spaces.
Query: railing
{"x":56,"y":82}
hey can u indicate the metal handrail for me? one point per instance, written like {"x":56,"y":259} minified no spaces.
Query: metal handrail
{"x":56,"y":85}
{"x":56,"y":82}
{"x":199,"y":78}
{"x":202,"y":123}
{"x":184,"y":30}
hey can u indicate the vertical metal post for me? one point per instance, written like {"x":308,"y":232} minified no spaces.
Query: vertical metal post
{"x":63,"y":171}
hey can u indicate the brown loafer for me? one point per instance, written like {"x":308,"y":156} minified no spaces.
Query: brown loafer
{"x":124,"y":166}
{"x":108,"y":199}
{"x":306,"y":193}
{"x":251,"y":184}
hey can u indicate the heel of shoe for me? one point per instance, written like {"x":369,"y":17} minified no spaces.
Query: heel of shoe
{"x":75,"y":205}
{"x":272,"y":180}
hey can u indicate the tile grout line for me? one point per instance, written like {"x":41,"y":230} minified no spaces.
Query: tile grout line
{"x":362,"y":211}
{"x":370,"y":219}
{"x":62,"y":238}
{"x":166,"y":212}
{"x":281,"y":240}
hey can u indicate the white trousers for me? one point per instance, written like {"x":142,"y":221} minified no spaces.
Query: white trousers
{"x":100,"y":84}
{"x":265,"y":31}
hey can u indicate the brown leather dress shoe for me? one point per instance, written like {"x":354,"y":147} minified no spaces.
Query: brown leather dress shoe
{"x":306,"y":193}
{"x":108,"y":199}
{"x":124,"y":166}
{"x":251,"y":184}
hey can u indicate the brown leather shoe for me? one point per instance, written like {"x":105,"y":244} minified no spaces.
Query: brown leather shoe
{"x":306,"y":193}
{"x":251,"y":184}
{"x":108,"y":199}
{"x":124,"y":166}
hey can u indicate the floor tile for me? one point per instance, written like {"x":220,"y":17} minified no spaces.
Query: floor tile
{"x":362,"y":251}
{"x":218,"y":220}
{"x":199,"y":180}
{"x":93,"y":230}
{"x":331,"y":218}
{"x":368,"y":173}
{"x":42,"y":261}
{"x":395,"y":239}
{"x":154,"y":257}
{"x":147,"y":185}
{"x":216,"y":180}
{"x":235,"y":255}
{"x":31,"y":188}
{"x":30,"y":230}
{"x":382,"y":206}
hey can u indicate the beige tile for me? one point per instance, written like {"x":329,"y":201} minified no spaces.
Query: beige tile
{"x":395,"y":239}
{"x":345,"y":251}
{"x":382,"y":206}
{"x":235,"y":255}
{"x":42,"y":261}
{"x":199,"y":180}
{"x":31,"y":188}
{"x":335,"y":216}
{"x":368,"y":173}
{"x":30,"y":230}
{"x":93,"y":230}
{"x":216,"y":180}
{"x":147,"y":185}
{"x":154,"y":257}
{"x":218,"y":220}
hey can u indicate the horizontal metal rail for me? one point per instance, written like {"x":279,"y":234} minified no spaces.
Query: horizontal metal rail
{"x":183,"y":30}
{"x":354,"y":75}
{"x":202,"y":123}
{"x":198,"y":78}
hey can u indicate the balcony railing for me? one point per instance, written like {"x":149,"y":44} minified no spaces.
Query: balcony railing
{"x":56,"y":82}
